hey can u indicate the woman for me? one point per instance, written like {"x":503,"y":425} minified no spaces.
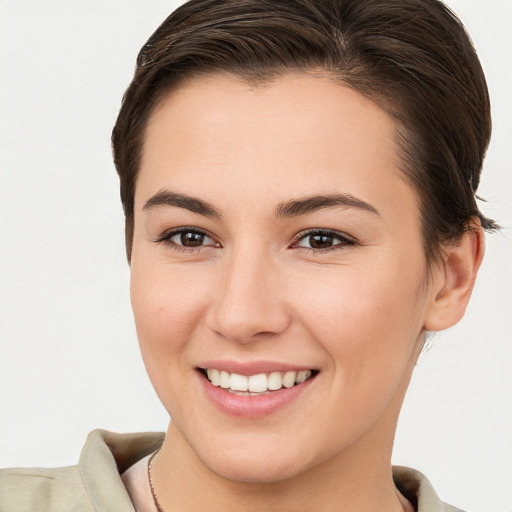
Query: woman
{"x":299,"y":189}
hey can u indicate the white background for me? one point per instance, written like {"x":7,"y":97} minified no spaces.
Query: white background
{"x":69,"y":359}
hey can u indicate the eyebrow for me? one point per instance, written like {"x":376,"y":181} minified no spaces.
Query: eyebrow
{"x":168,"y":198}
{"x":311,"y":204}
{"x":292,"y":208}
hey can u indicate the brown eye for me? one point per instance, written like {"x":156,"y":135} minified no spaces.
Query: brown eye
{"x":188,"y":238}
{"x":192,"y":239}
{"x":322,"y":240}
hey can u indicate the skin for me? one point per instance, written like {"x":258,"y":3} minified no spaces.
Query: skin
{"x":357,"y":311}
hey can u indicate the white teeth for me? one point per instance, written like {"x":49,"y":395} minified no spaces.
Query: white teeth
{"x":239,"y":382}
{"x":275,"y":381}
{"x":225,"y":379}
{"x":213,"y":375}
{"x":258,"y":383}
{"x":302,"y":376}
{"x":255,"y":384}
{"x":289,"y":379}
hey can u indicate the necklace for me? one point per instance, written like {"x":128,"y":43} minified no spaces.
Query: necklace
{"x":159,"y":507}
{"x":150,"y":478}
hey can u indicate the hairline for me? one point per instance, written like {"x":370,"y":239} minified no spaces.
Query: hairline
{"x":265,"y":76}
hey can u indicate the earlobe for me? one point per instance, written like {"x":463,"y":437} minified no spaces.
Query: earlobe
{"x":456,"y":278}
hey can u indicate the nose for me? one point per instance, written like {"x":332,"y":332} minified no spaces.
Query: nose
{"x":249,"y":302}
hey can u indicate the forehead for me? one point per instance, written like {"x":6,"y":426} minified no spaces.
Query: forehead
{"x":284,"y":137}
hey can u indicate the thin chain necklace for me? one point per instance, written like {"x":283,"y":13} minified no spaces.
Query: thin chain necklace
{"x":153,"y":493}
{"x":155,"y":499}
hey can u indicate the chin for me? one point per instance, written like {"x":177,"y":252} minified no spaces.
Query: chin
{"x":260,"y":465}
{"x":255,"y":471}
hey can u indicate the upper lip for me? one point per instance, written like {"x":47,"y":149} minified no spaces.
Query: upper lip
{"x":251,"y":367}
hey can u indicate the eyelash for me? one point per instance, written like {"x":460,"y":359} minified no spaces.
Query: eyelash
{"x":344,"y":240}
{"x":166,"y":237}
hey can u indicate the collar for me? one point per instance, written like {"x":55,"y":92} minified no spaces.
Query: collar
{"x":109,"y":454}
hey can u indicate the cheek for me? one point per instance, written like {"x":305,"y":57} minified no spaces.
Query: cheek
{"x":167,"y":305}
{"x":364,"y":318}
{"x":368,"y":327}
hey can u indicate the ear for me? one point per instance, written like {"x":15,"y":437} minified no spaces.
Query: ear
{"x":454,"y":279}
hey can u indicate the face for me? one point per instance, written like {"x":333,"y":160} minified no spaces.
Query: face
{"x":275,"y":241}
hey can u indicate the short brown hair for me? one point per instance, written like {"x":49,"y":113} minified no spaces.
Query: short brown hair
{"x":411,"y":57}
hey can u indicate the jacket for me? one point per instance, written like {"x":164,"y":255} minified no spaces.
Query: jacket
{"x":95,"y":485}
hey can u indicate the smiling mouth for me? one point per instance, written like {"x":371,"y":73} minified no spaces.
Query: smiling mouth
{"x":256,"y":385}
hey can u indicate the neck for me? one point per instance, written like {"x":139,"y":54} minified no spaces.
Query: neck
{"x":348,"y":482}
{"x":357,"y":479}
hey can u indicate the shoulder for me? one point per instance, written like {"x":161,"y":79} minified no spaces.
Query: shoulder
{"x":42,"y":489}
{"x":93,"y":485}
{"x":415,"y":486}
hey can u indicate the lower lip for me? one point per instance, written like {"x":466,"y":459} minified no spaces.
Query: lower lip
{"x":252,"y":407}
